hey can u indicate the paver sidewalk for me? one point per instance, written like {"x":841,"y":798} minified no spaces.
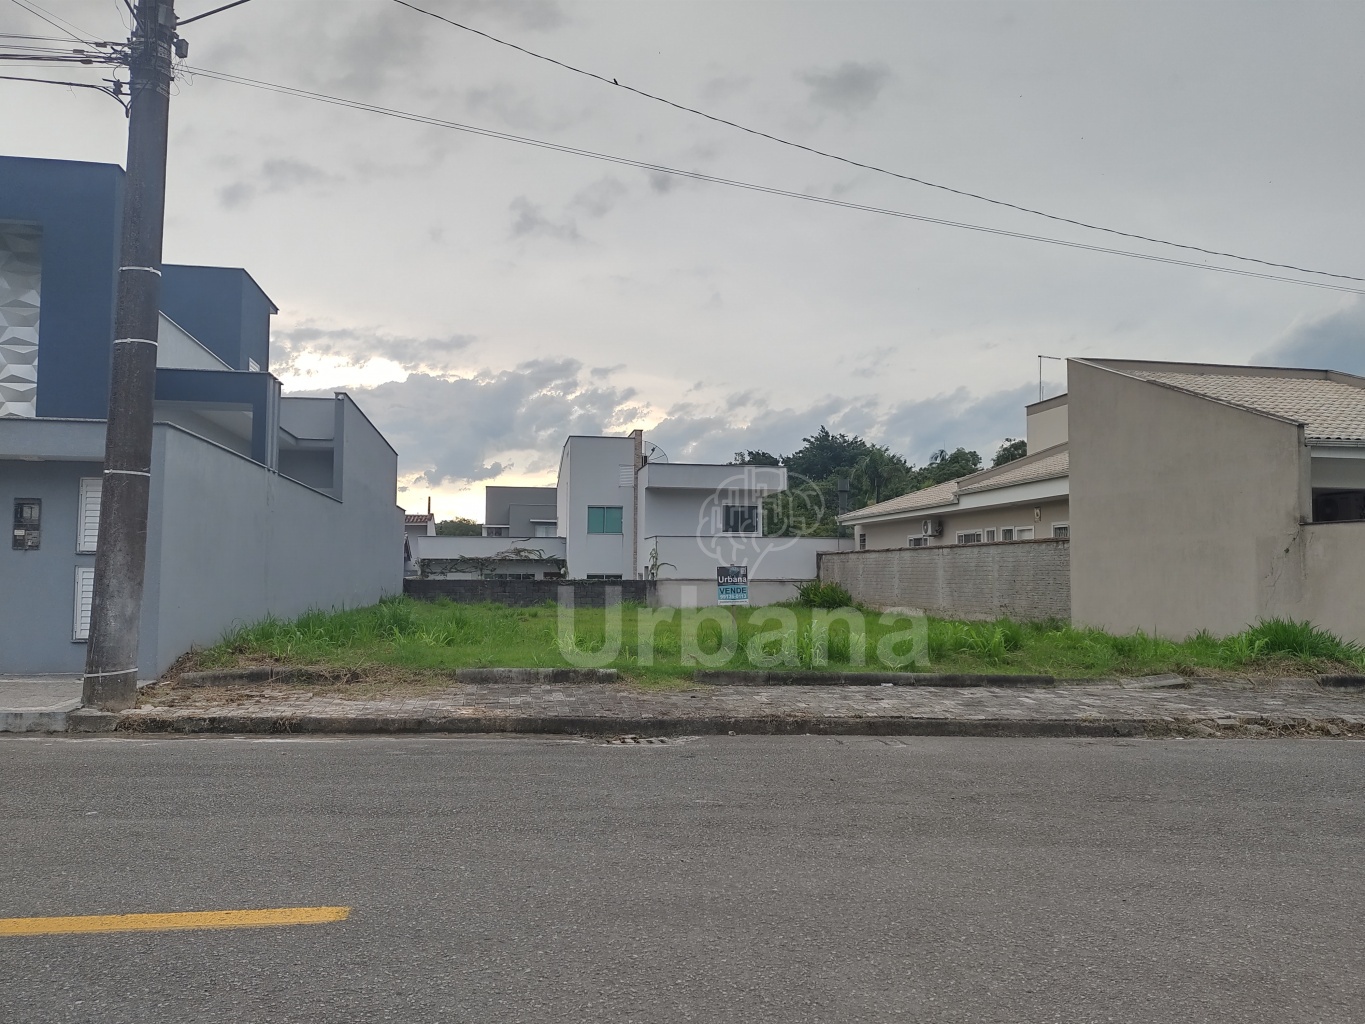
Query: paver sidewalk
{"x":1238,"y":708}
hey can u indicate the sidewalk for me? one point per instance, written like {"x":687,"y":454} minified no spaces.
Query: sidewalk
{"x":37,"y":703}
{"x":1165,"y":706}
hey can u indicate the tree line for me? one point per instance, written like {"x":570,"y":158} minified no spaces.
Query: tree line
{"x":874,"y":474}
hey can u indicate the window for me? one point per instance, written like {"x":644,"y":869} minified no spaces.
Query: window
{"x":972,"y":537}
{"x":741,"y":518}
{"x":543,"y":529}
{"x":88,"y":515}
{"x":513,"y":576}
{"x":1062,"y":531}
{"x":990,"y":536}
{"x":919,"y":542}
{"x":862,"y":542}
{"x":85,"y":596}
{"x":1024,"y":533}
{"x":604,"y":576}
{"x":604,"y":519}
{"x":1007,"y":533}
{"x":495,"y":531}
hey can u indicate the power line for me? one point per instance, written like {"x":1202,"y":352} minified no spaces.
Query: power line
{"x":185,"y":21}
{"x":858,"y":163}
{"x":749,"y":186}
{"x":47,"y":16}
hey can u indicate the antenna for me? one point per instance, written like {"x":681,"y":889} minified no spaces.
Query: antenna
{"x":1060,"y":359}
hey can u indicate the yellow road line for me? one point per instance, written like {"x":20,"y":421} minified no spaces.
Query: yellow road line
{"x":171,"y":922}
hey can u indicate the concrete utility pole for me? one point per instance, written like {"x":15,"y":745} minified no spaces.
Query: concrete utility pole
{"x":120,"y":556}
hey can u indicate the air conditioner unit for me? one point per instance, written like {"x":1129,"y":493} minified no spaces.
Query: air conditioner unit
{"x":933,"y":528}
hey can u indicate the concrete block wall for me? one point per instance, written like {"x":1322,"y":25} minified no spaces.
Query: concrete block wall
{"x":1024,"y":580}
{"x":528,"y":593}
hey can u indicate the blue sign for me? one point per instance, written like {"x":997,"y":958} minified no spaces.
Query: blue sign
{"x":732,"y":584}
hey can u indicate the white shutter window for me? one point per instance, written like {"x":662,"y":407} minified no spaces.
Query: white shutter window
{"x":85,"y":595}
{"x":626,"y":474}
{"x":88,"y":514}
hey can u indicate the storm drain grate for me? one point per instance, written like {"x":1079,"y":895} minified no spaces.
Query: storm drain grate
{"x":637,"y":741}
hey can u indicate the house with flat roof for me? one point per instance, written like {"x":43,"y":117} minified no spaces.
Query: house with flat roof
{"x":618,"y":513}
{"x":260,"y":504}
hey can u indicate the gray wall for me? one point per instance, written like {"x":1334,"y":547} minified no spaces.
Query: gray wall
{"x":237,"y":543}
{"x":1025,"y":580}
{"x":1184,"y":511}
{"x":527,"y":593}
{"x":38,"y":586}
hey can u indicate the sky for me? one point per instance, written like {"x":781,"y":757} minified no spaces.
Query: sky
{"x":481,"y":299}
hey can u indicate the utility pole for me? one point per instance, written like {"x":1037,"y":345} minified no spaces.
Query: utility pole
{"x":111,"y":656}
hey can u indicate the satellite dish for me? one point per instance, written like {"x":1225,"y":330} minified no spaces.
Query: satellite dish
{"x":653,"y":453}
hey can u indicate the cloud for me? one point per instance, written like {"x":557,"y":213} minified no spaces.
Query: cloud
{"x":599,"y":198}
{"x":848,"y":89}
{"x":458,"y":430}
{"x":1333,"y":342}
{"x":959,"y":419}
{"x":531,"y":221}
{"x":722,"y":87}
{"x":274,"y":176}
{"x":357,"y":346}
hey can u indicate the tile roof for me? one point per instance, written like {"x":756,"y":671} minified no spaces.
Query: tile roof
{"x":937,"y":494}
{"x":1049,"y":468}
{"x":1045,"y":465}
{"x":1328,"y":409}
{"x":420,"y":519}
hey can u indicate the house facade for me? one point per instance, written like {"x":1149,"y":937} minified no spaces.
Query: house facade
{"x":260,"y":504}
{"x":615,"y":514}
{"x":1189,"y":496}
{"x":1028,"y":499}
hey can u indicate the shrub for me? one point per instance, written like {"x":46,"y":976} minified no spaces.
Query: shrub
{"x":815,"y":594}
{"x":1301,"y":640}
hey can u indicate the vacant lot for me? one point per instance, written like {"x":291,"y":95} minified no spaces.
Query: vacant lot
{"x":657,"y":645}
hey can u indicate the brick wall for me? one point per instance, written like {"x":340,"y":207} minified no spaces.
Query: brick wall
{"x":526,"y":593}
{"x":1025,"y":580}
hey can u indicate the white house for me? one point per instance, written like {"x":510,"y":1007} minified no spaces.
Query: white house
{"x":620,"y":514}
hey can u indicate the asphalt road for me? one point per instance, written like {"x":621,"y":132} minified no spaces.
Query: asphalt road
{"x":724,"y":879}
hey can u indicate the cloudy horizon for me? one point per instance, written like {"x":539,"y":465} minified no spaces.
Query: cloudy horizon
{"x":481,"y":299}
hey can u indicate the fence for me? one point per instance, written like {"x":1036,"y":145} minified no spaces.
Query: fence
{"x":1025,"y":580}
{"x":527,"y":593}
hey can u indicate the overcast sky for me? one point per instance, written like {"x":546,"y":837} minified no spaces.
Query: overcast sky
{"x":481,"y":299}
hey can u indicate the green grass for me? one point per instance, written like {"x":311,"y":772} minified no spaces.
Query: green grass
{"x":438,"y":636}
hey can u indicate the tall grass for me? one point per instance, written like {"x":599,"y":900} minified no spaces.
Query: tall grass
{"x":442,"y":635}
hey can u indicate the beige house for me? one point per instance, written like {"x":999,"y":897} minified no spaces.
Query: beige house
{"x":1208,"y":497}
{"x":1192,"y":496}
{"x":1022,"y":500}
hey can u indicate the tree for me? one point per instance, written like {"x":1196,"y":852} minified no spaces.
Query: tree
{"x":1009,"y":451}
{"x":824,"y":455}
{"x":458,"y":527}
{"x":880,"y":475}
{"x":751,"y":457}
{"x":944,"y":467}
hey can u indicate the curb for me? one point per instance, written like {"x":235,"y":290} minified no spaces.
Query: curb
{"x":777,"y":725}
{"x":723,"y":677}
{"x":321,"y":674}
{"x":50,"y":719}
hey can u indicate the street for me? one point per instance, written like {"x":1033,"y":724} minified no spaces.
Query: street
{"x":713,"y":879}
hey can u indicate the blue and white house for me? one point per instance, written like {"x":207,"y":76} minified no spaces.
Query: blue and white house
{"x":260,"y":504}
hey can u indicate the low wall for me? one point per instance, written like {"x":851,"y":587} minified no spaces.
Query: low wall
{"x":527,"y":593}
{"x":1025,"y":580}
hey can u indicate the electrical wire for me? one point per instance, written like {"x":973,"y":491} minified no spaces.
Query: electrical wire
{"x":48,"y":16}
{"x":734,"y":183}
{"x":858,"y":163}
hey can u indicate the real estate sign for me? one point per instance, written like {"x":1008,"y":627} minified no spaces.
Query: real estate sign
{"x":732,"y":584}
